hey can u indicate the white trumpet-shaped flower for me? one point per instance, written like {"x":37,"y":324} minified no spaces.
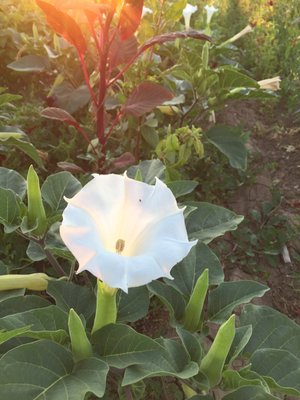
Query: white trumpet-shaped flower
{"x":270,"y":84}
{"x":187,"y":13}
{"x":210,"y":10}
{"x":126,"y":233}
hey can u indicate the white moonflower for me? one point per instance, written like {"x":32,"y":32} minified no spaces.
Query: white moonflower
{"x":210,"y":12}
{"x":187,"y":13}
{"x":126,"y":233}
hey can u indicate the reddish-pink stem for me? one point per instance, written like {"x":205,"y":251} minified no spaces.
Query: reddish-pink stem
{"x":83,"y":132}
{"x":87,"y":79}
{"x":118,"y":117}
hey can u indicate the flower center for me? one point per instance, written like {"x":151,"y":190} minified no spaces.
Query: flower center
{"x":120,"y":245}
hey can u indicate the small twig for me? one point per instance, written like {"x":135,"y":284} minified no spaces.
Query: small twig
{"x":118,"y":117}
{"x":52,"y":260}
{"x":84,"y":134}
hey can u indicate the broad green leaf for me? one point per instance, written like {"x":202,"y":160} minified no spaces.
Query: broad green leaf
{"x":14,"y":137}
{"x":228,"y":295}
{"x":181,"y":188}
{"x":242,"y":337}
{"x":149,"y":170}
{"x":10,"y":210}
{"x":191,"y":343}
{"x":230,"y":77}
{"x":170,"y":297}
{"x":45,"y":370}
{"x":229,"y":140}
{"x":250,"y":393}
{"x":280,"y":369}
{"x":35,"y":252}
{"x":191,"y":267}
{"x":19,"y":304}
{"x":45,"y":323}
{"x":234,"y":379}
{"x":271,"y":329}
{"x":7,"y":335}
{"x":68,"y":295}
{"x":7,"y":294}
{"x":121,"y":346}
{"x":10,"y":179}
{"x":55,"y":244}
{"x":172,"y":361}
{"x":134,"y":305}
{"x":7,"y":98}
{"x":56,"y":187}
{"x":209,"y":221}
{"x":30,"y":63}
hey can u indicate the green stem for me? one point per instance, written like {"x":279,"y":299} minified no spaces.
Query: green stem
{"x":106,"y":306}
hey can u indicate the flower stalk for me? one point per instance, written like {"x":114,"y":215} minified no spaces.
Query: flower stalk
{"x":106,"y":306}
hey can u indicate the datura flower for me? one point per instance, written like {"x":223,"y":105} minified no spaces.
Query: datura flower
{"x":187,"y":13}
{"x":210,"y":10}
{"x":270,"y":84}
{"x":126,"y":233}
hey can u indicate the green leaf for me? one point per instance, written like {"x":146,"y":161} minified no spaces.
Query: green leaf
{"x":56,"y":187}
{"x":10,"y":210}
{"x":170,"y":297}
{"x":129,"y":309}
{"x":271,"y":329}
{"x":150,"y":169}
{"x":228,"y":295}
{"x":229,"y":140}
{"x":67,"y":295}
{"x":172,"y":361}
{"x":19,"y":304}
{"x":250,"y":393}
{"x":45,"y":370}
{"x":181,"y":188}
{"x":30,"y":63}
{"x":14,"y":137}
{"x":121,"y":347}
{"x":242,"y":337}
{"x":10,"y":179}
{"x":7,"y":98}
{"x":209,"y":221}
{"x":230,"y":77}
{"x":7,"y":335}
{"x":280,"y":369}
{"x":233,"y":379}
{"x":191,"y":344}
{"x":9,"y":294}
{"x":191,"y":267}
{"x":45,"y":323}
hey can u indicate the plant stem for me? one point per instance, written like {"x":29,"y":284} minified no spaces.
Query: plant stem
{"x":87,"y":79}
{"x":118,"y":117}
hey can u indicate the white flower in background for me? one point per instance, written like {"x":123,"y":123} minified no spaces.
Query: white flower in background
{"x":146,"y":11}
{"x":126,"y":233}
{"x":210,"y":12}
{"x":242,"y":33}
{"x":187,"y":13}
{"x":270,"y":84}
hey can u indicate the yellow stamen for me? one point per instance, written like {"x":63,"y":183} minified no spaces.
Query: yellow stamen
{"x":120,"y":245}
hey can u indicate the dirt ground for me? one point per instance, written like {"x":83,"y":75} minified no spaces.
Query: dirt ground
{"x":275,"y":153}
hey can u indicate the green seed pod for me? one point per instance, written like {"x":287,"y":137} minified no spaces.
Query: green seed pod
{"x":193,"y":311}
{"x":36,"y":281}
{"x":81,"y":346}
{"x":36,"y":212}
{"x":213,"y":363}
